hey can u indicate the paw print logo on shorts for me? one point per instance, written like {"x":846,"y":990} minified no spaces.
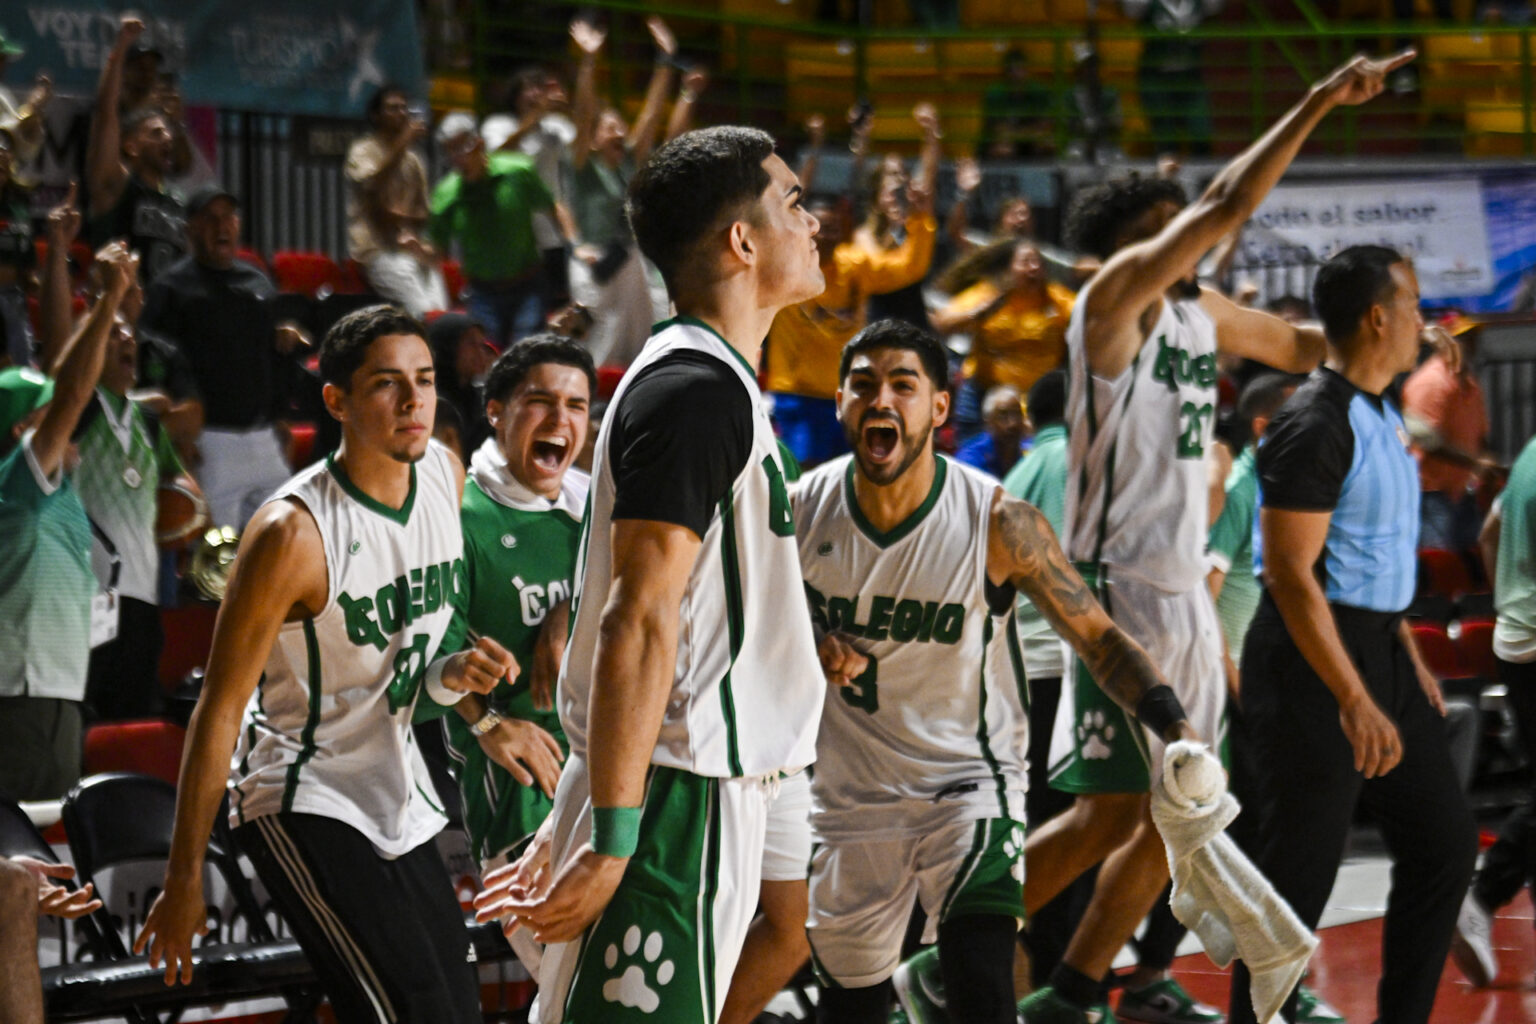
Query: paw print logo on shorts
{"x":1013,"y":849}
{"x":1094,"y":735}
{"x":631,"y":988}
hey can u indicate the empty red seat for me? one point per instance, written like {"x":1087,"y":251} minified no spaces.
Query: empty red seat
{"x":252,"y":257}
{"x":1475,"y":646}
{"x":305,"y":272}
{"x":1445,"y":573}
{"x":352,"y":280}
{"x":1438,"y":649}
{"x":453,"y":280}
{"x":301,"y":444}
{"x":149,"y":747}
{"x":188,"y":638}
{"x":608,"y":378}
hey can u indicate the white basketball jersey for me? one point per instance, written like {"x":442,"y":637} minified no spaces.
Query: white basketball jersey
{"x":746,"y":691}
{"x":1136,"y":480}
{"x":328,"y":730}
{"x":935,"y":729}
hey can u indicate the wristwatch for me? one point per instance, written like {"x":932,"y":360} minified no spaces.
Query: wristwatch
{"x":487,"y":722}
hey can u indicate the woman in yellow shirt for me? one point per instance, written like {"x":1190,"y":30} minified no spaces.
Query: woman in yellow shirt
{"x":1015,"y":316}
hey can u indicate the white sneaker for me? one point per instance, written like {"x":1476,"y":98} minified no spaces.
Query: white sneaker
{"x":1472,"y":944}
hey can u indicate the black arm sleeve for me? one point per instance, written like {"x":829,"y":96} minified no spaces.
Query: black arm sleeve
{"x":1308,"y":449}
{"x":681,"y":437}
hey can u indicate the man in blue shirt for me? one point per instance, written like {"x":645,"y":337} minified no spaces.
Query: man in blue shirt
{"x":1340,"y":708}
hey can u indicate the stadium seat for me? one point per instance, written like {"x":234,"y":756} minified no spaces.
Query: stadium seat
{"x":301,"y":445}
{"x":1439,"y":650}
{"x":148,"y":747}
{"x":188,"y":637}
{"x":1444,"y":573}
{"x":352,"y":279}
{"x":453,"y":281}
{"x":608,"y":378}
{"x":252,"y":257}
{"x":308,"y":273}
{"x":1475,"y":647}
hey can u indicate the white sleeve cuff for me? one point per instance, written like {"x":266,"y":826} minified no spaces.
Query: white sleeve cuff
{"x":1220,"y":561}
{"x":433,"y":683}
{"x":44,"y":484}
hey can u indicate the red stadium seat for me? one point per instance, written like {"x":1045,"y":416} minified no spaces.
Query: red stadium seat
{"x":1475,"y":646}
{"x":301,"y":444}
{"x":252,"y":257}
{"x":1439,"y":650}
{"x":608,"y":378}
{"x":353,"y":281}
{"x":148,"y":747}
{"x":1445,"y":573}
{"x":305,"y":272}
{"x":188,"y":638}
{"x":453,"y":280}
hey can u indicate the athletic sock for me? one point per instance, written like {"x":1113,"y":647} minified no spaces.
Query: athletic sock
{"x":1075,"y":987}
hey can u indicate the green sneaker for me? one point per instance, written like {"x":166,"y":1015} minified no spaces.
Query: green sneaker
{"x":1166,"y":1002}
{"x":1312,"y":1008}
{"x":1044,"y":1006}
{"x":920,"y":988}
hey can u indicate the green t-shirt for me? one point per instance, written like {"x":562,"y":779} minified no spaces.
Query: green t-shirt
{"x":1231,"y":550}
{"x":1514,"y":584}
{"x":492,"y":219}
{"x":1040,"y":478}
{"x":46,"y":582}
{"x":520,"y":560}
{"x":121,"y":466}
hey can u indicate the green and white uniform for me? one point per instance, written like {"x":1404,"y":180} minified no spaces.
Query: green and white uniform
{"x":519,"y":557}
{"x":745,"y":698}
{"x":919,"y":780}
{"x":1137,"y":524}
{"x":1231,"y":551}
{"x":328,"y":730}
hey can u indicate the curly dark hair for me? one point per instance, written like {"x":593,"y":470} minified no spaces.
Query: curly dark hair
{"x":512,"y":366}
{"x":692,"y":187}
{"x":899,"y":334}
{"x":1098,"y":217}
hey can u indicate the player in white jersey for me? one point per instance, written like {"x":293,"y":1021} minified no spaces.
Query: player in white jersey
{"x":914,"y":561}
{"x":342,"y":593}
{"x":1142,"y":347}
{"x":691,"y":677}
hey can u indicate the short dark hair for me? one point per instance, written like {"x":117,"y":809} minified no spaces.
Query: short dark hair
{"x":1349,"y":284}
{"x":1047,"y":399}
{"x":1265,"y":394}
{"x":137,"y":119}
{"x":693,"y":187}
{"x":512,"y":366}
{"x":382,"y":93}
{"x":345,"y":345}
{"x":524,"y":78}
{"x":899,"y":334}
{"x":1100,"y":214}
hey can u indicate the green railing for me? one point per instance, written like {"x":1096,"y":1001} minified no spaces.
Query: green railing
{"x":1474,"y":90}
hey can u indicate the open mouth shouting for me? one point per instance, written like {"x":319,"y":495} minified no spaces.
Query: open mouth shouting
{"x":550,"y":452}
{"x":880,"y":438}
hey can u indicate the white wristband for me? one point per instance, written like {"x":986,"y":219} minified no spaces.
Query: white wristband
{"x":433,"y":684}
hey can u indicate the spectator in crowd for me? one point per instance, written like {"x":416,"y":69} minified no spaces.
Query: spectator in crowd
{"x":1339,"y":706}
{"x":1448,"y":418}
{"x":27,"y":891}
{"x":539,"y":127}
{"x":807,"y":338}
{"x":1000,"y":443}
{"x":24,"y":120}
{"x":462,"y":355}
{"x":486,"y":206}
{"x":17,"y":256}
{"x":1016,"y":319}
{"x":128,"y":159}
{"x":1509,"y":553}
{"x":217,"y":309}
{"x":387,"y":207}
{"x":608,"y":275}
{"x":1016,"y":114}
{"x":884,"y":227}
{"x":1171,"y":75}
{"x":46,"y":583}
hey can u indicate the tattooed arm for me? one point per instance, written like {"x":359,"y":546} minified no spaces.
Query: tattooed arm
{"x":1022,"y":550}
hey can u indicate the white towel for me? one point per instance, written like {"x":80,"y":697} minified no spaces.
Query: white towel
{"x":1220,"y":896}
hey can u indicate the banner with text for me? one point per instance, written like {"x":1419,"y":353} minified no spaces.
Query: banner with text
{"x":283,"y":56}
{"x":1440,"y":223}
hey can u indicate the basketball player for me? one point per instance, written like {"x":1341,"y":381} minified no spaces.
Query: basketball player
{"x":343,"y":589}
{"x":918,"y":791}
{"x":691,"y":679}
{"x":1142,"y":346}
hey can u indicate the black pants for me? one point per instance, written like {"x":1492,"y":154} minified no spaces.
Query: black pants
{"x":1510,"y":863}
{"x":1309,"y":788}
{"x":124,"y":678}
{"x":386,"y":937}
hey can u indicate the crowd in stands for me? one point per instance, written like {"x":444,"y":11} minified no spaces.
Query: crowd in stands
{"x":147,"y":348}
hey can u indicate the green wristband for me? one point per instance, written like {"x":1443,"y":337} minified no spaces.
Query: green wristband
{"x":615,"y":830}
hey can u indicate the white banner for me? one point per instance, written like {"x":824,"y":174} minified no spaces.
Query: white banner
{"x":1438,"y":223}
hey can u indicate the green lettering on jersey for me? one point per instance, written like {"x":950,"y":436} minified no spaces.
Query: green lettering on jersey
{"x":433,"y":599}
{"x":818,"y":602}
{"x":904,"y":620}
{"x":780,"y":520}
{"x":907,"y":620}
{"x":361,"y":629}
{"x":412,"y":596}
{"x":418,"y":607}
{"x":879,"y":618}
{"x":1175,"y":366}
{"x":950,"y":623}
{"x":841,"y":612}
{"x":864,"y":691}
{"x":410,"y":670}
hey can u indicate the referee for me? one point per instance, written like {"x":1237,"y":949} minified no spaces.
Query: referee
{"x":1340,"y":708}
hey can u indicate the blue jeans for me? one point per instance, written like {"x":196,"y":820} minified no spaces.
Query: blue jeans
{"x":506,"y":311}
